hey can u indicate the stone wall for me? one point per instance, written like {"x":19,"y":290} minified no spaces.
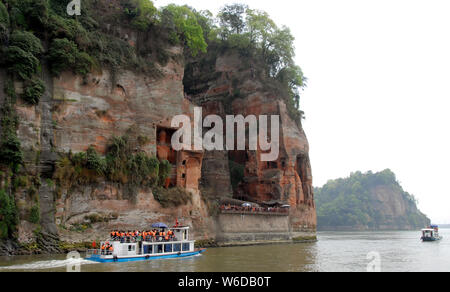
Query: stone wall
{"x":237,"y":229}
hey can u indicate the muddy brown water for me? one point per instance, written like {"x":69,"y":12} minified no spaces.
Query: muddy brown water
{"x":335,"y":251}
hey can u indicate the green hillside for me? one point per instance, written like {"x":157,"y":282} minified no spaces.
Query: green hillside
{"x":367,"y":201}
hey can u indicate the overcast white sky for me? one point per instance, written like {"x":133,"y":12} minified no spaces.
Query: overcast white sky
{"x":378,"y":93}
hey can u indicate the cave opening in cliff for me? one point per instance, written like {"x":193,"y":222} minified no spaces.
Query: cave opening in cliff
{"x":237,"y":161}
{"x":300,"y":167}
{"x":271,"y":165}
{"x":166,"y":152}
{"x":186,"y":165}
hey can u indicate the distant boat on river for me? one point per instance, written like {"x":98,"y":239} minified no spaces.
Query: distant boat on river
{"x":431,"y":233}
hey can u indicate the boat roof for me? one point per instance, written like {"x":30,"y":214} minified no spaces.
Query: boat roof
{"x":427,"y":229}
{"x":179,"y":227}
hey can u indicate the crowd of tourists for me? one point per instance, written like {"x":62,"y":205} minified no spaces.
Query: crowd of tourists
{"x":106,"y":249}
{"x":148,"y":236}
{"x":253,"y":209}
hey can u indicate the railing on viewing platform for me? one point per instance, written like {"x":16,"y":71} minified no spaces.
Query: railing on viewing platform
{"x":254,"y":210}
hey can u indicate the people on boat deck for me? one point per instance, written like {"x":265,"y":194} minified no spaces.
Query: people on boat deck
{"x":137,"y":236}
{"x":106,"y":249}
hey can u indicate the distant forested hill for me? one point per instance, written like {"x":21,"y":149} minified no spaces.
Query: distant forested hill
{"x":367,"y":201}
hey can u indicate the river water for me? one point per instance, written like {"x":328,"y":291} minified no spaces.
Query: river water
{"x":335,"y":251}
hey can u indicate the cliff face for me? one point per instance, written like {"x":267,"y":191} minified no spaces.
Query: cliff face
{"x":90,"y":111}
{"x":228,"y":85}
{"x":368,"y":202}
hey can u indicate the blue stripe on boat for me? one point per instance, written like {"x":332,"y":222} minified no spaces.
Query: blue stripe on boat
{"x":97,"y":258}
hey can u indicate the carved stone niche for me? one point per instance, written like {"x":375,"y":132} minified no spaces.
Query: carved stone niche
{"x":186,"y":165}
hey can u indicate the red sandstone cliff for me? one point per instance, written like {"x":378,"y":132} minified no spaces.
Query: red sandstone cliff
{"x":228,"y":85}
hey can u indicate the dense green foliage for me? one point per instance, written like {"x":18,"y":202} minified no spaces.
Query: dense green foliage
{"x":83,"y":43}
{"x":184,"y":25}
{"x":33,"y":90}
{"x":11,"y":158}
{"x":4,"y":16}
{"x":255,"y":32}
{"x":351,"y":202}
{"x":120,"y":164}
{"x":26,"y":41}
{"x":172,"y":197}
{"x":141,"y":12}
{"x":35,"y":214}
{"x":10,"y":148}
{"x":8,"y":215}
{"x":262,"y":44}
{"x":20,"y":63}
{"x":64,"y":54}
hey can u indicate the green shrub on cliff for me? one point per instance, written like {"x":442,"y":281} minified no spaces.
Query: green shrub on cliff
{"x":35,"y":216}
{"x":27,"y":41}
{"x":141,"y":12}
{"x":10,"y":151}
{"x":20,"y":63}
{"x":28,"y":14}
{"x":172,"y":197}
{"x":33,"y":90}
{"x":120,"y":164}
{"x":185,"y":27}
{"x":64,"y":55}
{"x":11,"y":154}
{"x":8,"y":215}
{"x":4,"y":16}
{"x":21,"y":60}
{"x":165,"y":169}
{"x":143,"y":169}
{"x":95,"y":162}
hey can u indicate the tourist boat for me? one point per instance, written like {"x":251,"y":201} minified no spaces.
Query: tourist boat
{"x":431,"y":233}
{"x":143,"y":250}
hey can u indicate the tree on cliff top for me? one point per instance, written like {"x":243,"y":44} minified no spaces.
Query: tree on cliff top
{"x":232,"y":19}
{"x":185,"y":27}
{"x":257,"y":37}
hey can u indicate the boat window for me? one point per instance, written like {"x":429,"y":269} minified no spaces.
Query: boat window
{"x":131,"y":248}
{"x":186,"y":247}
{"x":167,"y":248}
{"x":159,"y":248}
{"x":148,"y":249}
{"x":177,"y":247}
